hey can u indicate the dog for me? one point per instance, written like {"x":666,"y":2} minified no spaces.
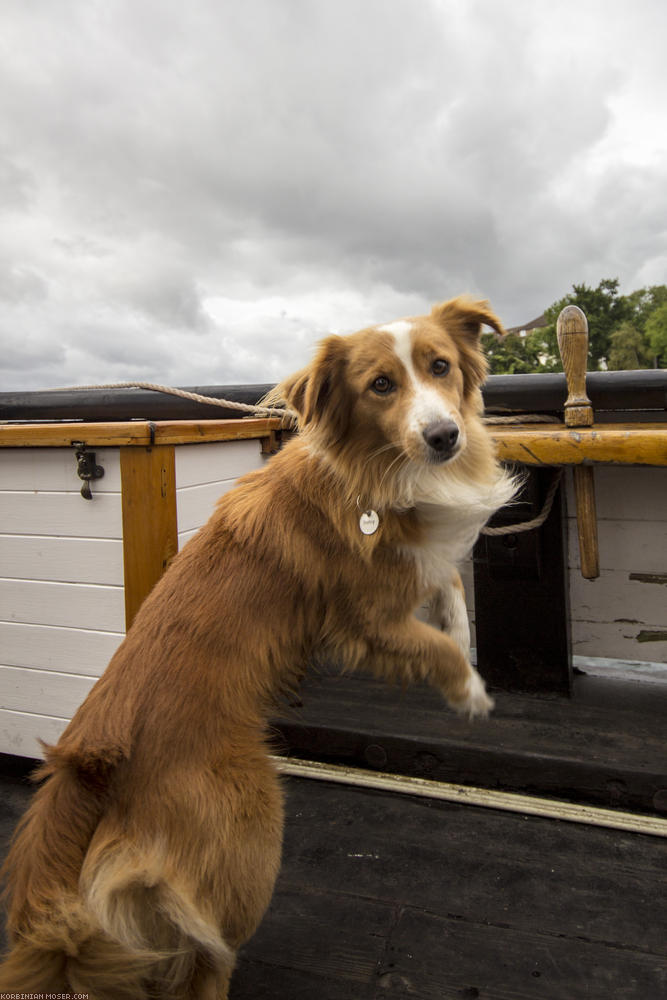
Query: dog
{"x":150,"y":850}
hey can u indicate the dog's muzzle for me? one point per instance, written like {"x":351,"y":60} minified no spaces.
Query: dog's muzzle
{"x":442,"y":438}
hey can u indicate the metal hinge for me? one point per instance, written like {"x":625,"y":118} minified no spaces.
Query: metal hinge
{"x":86,"y":468}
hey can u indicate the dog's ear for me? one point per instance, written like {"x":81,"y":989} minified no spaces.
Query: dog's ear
{"x":319,"y":393}
{"x":463,"y":318}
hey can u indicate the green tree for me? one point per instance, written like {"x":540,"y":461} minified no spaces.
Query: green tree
{"x":656,"y":333}
{"x":645,"y":301}
{"x":517,"y":355}
{"x":628,"y":349}
{"x":605,"y":310}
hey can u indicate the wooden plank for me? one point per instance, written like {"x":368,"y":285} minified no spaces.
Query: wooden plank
{"x":433,"y":957}
{"x":67,"y":560}
{"x":63,"y":435}
{"x":29,"y":513}
{"x":197,"y":431}
{"x":53,"y":470}
{"x":73,"y":605}
{"x":545,"y":444}
{"x":124,"y":433}
{"x":150,"y":532}
{"x":70,"y":650}
{"x":42,"y":692}
{"x":364,"y":844}
{"x":216,"y":462}
{"x":20,"y":732}
{"x":341,"y":967}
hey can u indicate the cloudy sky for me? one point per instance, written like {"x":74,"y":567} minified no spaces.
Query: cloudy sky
{"x":194,"y":193}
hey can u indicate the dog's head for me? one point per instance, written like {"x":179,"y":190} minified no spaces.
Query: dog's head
{"x":405,"y":388}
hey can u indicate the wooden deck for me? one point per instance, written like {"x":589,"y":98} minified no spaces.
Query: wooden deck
{"x":386,"y":896}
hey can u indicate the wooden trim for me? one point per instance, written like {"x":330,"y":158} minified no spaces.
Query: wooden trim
{"x":530,"y":444}
{"x":611,"y":444}
{"x":587,"y":521}
{"x":64,"y":435}
{"x":150,"y":529}
{"x":134,"y":432}
{"x":201,"y":431}
{"x":529,"y":805}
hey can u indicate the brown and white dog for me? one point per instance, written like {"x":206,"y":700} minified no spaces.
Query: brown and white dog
{"x":150,"y":851}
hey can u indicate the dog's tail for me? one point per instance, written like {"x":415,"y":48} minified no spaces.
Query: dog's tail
{"x":131,"y":930}
{"x":40,"y":965}
{"x":74,"y":954}
{"x":42,"y":868}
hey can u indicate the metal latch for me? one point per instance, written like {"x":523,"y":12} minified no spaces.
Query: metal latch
{"x":86,"y":468}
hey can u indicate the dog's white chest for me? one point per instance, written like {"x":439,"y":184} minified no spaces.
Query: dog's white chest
{"x":448,"y":539}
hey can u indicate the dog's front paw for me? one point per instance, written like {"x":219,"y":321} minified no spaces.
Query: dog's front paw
{"x":475,"y":700}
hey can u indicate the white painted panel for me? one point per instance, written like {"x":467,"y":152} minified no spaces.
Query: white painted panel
{"x":54,"y":470}
{"x":185,"y":536}
{"x":618,"y":641}
{"x":217,"y":461}
{"x":625,"y":546}
{"x":42,"y":692}
{"x":634,"y":493}
{"x":73,"y":560}
{"x":61,"y":514}
{"x":613,"y":597}
{"x":195,"y":504}
{"x":69,"y":650}
{"x":20,"y":732}
{"x":74,"y":605}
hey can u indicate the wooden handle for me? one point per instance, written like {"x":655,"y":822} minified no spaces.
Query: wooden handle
{"x":572,"y":333}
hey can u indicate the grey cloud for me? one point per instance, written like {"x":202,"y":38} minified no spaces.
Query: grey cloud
{"x":310,"y":166}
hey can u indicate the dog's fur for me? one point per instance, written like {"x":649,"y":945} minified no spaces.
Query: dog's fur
{"x":150,"y":851}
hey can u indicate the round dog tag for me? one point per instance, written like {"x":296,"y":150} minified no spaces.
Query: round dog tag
{"x":369,"y":522}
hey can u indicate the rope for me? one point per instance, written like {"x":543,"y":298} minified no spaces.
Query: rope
{"x":536,"y":522}
{"x":522,"y":418}
{"x":270,"y":411}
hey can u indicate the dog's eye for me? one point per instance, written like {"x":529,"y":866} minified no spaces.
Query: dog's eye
{"x":440,"y":366}
{"x":382,"y":385}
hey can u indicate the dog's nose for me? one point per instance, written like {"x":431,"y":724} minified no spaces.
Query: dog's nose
{"x":442,"y":437}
